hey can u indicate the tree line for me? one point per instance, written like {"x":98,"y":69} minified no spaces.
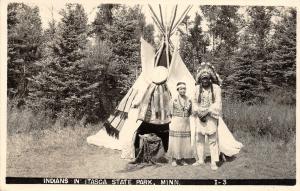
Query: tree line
{"x":81,"y":70}
{"x":253,"y":49}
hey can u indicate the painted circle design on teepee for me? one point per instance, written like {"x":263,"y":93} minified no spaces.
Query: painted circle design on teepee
{"x":159,"y":74}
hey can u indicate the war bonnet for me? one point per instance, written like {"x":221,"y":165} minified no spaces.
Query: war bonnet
{"x":207,"y":70}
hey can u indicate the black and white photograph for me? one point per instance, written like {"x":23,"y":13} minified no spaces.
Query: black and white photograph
{"x":148,"y":93}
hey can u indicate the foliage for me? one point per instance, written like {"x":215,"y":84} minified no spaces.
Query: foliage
{"x":194,"y":43}
{"x":84,"y":80}
{"x":60,"y":84}
{"x":223,"y":27}
{"x":24,"y":36}
{"x":282,"y":64}
{"x":81,"y":71}
{"x":224,"y":24}
{"x":245,"y":81}
{"x":123,"y":34}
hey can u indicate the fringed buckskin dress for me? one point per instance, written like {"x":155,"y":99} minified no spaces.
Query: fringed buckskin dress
{"x":180,"y":133}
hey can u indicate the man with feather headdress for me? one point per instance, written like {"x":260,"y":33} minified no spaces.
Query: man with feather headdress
{"x":207,"y":108}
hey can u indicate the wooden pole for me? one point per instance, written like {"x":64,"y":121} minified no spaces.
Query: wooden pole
{"x":154,"y":15}
{"x":158,"y":26}
{"x":172,"y":19}
{"x":159,"y":52}
{"x":161,"y":17}
{"x":167,"y":50}
{"x":180,"y":20}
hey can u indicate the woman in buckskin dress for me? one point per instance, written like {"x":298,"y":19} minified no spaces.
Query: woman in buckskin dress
{"x":180,"y":133}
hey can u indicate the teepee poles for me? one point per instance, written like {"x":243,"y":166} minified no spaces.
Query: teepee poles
{"x":181,"y":17}
{"x":174,"y":12}
{"x":156,"y":20}
{"x":166,"y":40}
{"x":167,"y":29}
{"x":167,"y":49}
{"x":157,"y":24}
{"x":160,"y":23}
{"x":161,"y":17}
{"x":180,"y":20}
{"x":159,"y":53}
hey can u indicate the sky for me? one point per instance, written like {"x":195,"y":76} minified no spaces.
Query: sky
{"x":45,"y":7}
{"x":90,"y":7}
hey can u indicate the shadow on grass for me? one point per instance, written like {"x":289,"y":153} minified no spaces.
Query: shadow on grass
{"x":132,"y":166}
{"x":224,"y":159}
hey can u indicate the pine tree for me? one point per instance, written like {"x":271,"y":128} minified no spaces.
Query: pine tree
{"x":186,"y":47}
{"x":194,"y":43}
{"x":187,"y":54}
{"x":148,"y":33}
{"x":250,"y":81}
{"x":260,"y":26}
{"x":123,"y":36}
{"x":98,"y":99}
{"x":24,"y":46}
{"x":244,"y":82}
{"x":104,"y":17}
{"x":224,"y":24}
{"x":211,"y":13}
{"x":198,"y":40}
{"x":282,"y":67}
{"x":60,"y":85}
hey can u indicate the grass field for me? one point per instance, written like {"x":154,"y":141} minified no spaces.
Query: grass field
{"x":40,"y":147}
{"x":64,"y":152}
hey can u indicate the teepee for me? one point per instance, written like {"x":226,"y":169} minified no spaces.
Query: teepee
{"x":121,"y":127}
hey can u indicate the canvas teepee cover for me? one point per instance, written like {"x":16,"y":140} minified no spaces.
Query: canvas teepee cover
{"x":178,"y":72}
{"x":123,"y":123}
{"x":124,"y":118}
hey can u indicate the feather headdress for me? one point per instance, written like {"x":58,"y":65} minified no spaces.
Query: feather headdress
{"x":208,"y":70}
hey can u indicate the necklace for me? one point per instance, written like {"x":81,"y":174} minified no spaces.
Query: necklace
{"x":206,"y":98}
{"x":184,"y":106}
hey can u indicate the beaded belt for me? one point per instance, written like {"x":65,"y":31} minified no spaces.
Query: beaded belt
{"x":181,"y":114}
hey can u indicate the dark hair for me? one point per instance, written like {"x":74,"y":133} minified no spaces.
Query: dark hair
{"x":180,"y":83}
